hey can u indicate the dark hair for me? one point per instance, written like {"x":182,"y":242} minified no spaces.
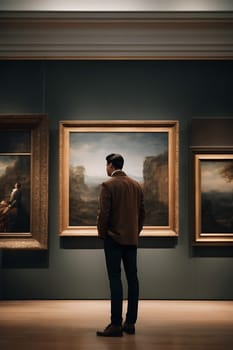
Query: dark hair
{"x":116,"y":159}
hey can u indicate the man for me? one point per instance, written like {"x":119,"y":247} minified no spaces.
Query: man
{"x":120,"y":220}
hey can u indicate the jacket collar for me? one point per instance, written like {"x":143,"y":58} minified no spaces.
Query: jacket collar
{"x":118,"y":173}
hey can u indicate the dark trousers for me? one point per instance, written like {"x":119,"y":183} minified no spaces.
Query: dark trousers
{"x":114,"y":254}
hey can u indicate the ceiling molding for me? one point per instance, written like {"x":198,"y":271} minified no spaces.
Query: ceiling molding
{"x":121,"y":35}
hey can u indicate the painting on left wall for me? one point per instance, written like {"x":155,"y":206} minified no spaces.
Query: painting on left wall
{"x":23,"y":181}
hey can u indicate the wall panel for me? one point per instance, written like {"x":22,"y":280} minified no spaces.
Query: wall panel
{"x":182,"y":90}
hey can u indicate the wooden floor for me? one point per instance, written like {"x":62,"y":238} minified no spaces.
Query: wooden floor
{"x":69,"y":325}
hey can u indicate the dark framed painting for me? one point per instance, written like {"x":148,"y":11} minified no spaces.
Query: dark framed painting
{"x":23,"y":181}
{"x":213,"y":198}
{"x":150,"y":150}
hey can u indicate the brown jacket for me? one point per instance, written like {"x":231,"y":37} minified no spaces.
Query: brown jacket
{"x":121,"y":209}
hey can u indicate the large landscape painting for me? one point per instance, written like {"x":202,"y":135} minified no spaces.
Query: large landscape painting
{"x":151,"y":152}
{"x":146,"y":160}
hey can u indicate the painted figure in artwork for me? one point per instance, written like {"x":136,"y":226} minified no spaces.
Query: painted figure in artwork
{"x":11,"y":213}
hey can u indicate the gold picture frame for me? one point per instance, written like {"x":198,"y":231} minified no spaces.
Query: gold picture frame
{"x":212,"y":192}
{"x":24,"y":166}
{"x":82,"y":151}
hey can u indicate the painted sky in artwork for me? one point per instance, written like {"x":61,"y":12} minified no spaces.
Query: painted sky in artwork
{"x":211,"y":178}
{"x":6,"y":161}
{"x":90,"y":150}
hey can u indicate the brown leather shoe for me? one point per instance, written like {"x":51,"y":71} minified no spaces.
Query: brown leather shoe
{"x":128,"y":328}
{"x":110,"y":331}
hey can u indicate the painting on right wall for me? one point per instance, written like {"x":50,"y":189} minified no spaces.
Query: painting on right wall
{"x":212,"y":181}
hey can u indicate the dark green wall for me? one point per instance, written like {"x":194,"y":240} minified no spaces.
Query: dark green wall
{"x":182,"y":90}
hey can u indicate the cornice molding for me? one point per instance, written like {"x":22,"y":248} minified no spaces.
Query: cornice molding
{"x":116,"y":35}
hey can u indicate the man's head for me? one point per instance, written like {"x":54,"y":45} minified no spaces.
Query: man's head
{"x":114,"y":162}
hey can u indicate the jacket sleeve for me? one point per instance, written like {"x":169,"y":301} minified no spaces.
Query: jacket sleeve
{"x":104,"y":211}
